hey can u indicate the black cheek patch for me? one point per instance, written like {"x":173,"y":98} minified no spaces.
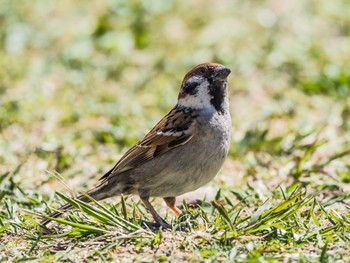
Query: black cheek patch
{"x":191,"y":88}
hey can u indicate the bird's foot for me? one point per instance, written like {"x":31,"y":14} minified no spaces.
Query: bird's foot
{"x":156,"y":226}
{"x":163,"y":224}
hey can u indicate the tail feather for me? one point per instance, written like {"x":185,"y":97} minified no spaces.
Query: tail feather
{"x":64,"y":209}
{"x":97,"y":193}
{"x":59,"y":212}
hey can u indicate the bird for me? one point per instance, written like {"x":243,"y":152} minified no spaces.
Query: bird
{"x":184,"y":151}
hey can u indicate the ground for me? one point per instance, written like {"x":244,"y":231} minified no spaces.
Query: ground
{"x":81,"y":82}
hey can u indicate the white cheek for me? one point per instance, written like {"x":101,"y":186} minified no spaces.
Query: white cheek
{"x":193,"y":79}
{"x":198,"y":101}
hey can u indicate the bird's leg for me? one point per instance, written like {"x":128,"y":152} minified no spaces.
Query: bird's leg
{"x":160,"y":221}
{"x":170,"y":202}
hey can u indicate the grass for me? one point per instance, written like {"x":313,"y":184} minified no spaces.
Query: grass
{"x":79,"y":84}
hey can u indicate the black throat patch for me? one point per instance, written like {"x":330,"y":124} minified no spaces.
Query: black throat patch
{"x":217,"y":90}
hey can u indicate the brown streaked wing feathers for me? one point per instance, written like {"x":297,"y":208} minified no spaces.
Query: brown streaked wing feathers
{"x":173,"y":130}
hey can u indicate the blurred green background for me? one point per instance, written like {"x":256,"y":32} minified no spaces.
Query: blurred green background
{"x":80,"y":81}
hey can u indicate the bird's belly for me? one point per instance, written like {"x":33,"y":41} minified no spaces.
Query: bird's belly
{"x":192,"y":168}
{"x":186,"y":180}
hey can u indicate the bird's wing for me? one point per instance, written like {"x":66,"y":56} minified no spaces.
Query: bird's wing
{"x":175,"y":129}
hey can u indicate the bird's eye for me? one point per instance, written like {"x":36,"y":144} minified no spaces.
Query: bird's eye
{"x":202,"y":70}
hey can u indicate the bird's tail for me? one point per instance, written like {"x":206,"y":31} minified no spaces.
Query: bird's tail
{"x":96,"y":193}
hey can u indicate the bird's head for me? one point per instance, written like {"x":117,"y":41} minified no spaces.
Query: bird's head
{"x":205,"y":86}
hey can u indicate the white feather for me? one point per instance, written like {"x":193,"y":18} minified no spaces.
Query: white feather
{"x":169,"y":133}
{"x":201,"y":99}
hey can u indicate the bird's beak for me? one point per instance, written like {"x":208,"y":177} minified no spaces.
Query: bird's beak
{"x":222,"y":73}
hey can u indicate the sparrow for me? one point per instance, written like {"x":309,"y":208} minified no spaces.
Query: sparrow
{"x":184,"y":151}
